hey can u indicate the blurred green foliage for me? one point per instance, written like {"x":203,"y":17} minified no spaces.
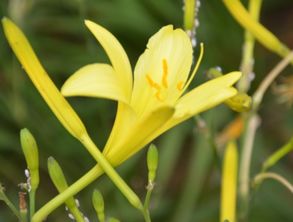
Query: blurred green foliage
{"x":188,"y":184}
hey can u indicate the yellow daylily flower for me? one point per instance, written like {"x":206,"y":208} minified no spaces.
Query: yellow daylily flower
{"x":154,"y":101}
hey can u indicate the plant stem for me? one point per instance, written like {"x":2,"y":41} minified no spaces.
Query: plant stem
{"x":259,"y":93}
{"x":263,"y":35}
{"x":277,"y":155}
{"x":32,"y":197}
{"x":262,"y":176}
{"x":146,"y":205}
{"x":84,"y":181}
{"x":9,"y":203}
{"x":146,"y":215}
{"x":247,"y":62}
{"x":110,"y":171}
{"x":244,"y":168}
{"x":77,"y":215}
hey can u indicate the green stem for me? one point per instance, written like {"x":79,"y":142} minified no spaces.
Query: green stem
{"x":270,"y":77}
{"x":247,"y":62}
{"x":148,"y":197}
{"x":23,"y":215}
{"x":147,"y":200}
{"x":262,"y":176}
{"x":276,"y":156}
{"x":77,"y":214}
{"x":32,"y":197}
{"x":244,"y":168}
{"x":146,"y":215}
{"x":9,"y":204}
{"x":110,"y":171}
{"x":84,"y":181}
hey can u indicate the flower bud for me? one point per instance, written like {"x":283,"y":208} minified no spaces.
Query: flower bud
{"x":241,"y":102}
{"x":30,"y":150}
{"x":152,"y":161}
{"x":98,"y":203}
{"x":59,"y":180}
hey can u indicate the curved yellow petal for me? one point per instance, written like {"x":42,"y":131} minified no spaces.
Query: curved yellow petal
{"x":162,"y":70}
{"x":116,"y":53}
{"x":27,"y":57}
{"x":94,"y":80}
{"x":136,"y":134}
{"x":207,"y":95}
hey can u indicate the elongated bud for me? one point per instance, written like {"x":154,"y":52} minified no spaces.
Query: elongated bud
{"x":263,"y":35}
{"x":59,"y":180}
{"x":31,"y":154}
{"x":98,"y":203}
{"x":60,"y":183}
{"x":241,"y":102}
{"x":229,"y":183}
{"x":57,"y":175}
{"x":38,"y":75}
{"x":152,"y":161}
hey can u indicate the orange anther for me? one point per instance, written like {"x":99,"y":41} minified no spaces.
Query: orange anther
{"x":165,"y":73}
{"x":152,"y":83}
{"x":180,"y":85}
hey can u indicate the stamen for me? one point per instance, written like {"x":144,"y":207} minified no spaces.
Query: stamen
{"x":196,"y":67}
{"x":158,"y":96}
{"x":180,"y":85}
{"x":165,"y":73}
{"x":152,"y":83}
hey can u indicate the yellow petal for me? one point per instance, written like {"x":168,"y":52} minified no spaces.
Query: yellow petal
{"x":159,"y":71}
{"x":94,"y":80}
{"x":41,"y":80}
{"x":229,"y":183}
{"x":207,"y":95}
{"x":137,"y":135}
{"x":116,"y":54}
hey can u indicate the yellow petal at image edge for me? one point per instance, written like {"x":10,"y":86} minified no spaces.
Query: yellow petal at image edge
{"x":229,"y":183}
{"x":41,"y":80}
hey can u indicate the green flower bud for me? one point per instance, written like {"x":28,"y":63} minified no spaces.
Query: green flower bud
{"x":98,"y":203}
{"x":30,"y":150}
{"x":59,"y":180}
{"x":241,"y":102}
{"x":60,"y":183}
{"x":189,"y":14}
{"x":152,"y":161}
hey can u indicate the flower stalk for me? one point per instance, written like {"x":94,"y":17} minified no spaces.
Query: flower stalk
{"x":277,"y":155}
{"x":264,"y":36}
{"x":247,"y":62}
